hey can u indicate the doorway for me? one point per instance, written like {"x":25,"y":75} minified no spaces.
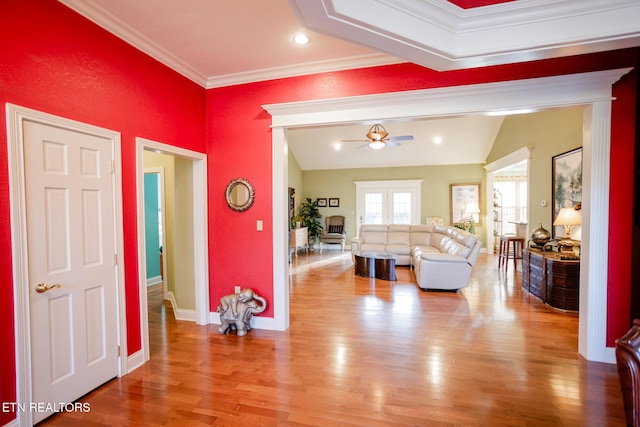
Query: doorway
{"x":508,"y":181}
{"x":154,"y":214}
{"x":592,"y":90}
{"x":184,"y":247}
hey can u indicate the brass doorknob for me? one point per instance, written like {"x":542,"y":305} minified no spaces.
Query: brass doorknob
{"x":43,"y":287}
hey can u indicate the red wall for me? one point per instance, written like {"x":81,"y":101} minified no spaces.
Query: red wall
{"x":621,"y":207}
{"x":53,"y":60}
{"x":238,"y":128}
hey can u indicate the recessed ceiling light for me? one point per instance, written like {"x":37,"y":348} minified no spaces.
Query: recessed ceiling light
{"x":337,"y":146}
{"x":437,"y":140}
{"x":300,"y":39}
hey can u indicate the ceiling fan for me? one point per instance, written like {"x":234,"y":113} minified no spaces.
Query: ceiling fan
{"x":378,"y":138}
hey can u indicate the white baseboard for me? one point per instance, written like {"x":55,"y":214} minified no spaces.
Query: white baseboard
{"x":135,"y":361}
{"x":154,"y":280}
{"x":610,"y":355}
{"x":257,"y":322}
{"x":180,"y":313}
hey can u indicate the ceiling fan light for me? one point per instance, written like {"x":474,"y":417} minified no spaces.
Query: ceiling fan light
{"x":377,"y":145}
{"x":377,"y":133}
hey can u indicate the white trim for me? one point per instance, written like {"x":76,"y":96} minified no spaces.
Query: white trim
{"x":16,"y":115}
{"x":200,"y":248}
{"x":543,"y":92}
{"x":180,"y":313}
{"x":279,"y":156}
{"x":442,"y":36}
{"x":153,"y":280}
{"x":295,"y":70}
{"x":595,"y":219}
{"x":414,"y":186}
{"x":131,"y":35}
{"x":575,"y":89}
{"x":135,"y":361}
{"x":517,"y":156}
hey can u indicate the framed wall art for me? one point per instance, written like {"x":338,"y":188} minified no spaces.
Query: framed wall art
{"x":334,"y":202}
{"x":566,"y":170}
{"x":322,"y":202}
{"x":465,"y":202}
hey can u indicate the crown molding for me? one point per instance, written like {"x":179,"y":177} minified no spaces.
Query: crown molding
{"x":353,"y":62}
{"x":442,"y":36}
{"x":555,"y":91}
{"x":104,"y":19}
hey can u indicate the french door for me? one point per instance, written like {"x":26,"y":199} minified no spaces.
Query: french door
{"x":388,"y":202}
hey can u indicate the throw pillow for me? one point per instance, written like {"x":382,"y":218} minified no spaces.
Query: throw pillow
{"x":335,"y":229}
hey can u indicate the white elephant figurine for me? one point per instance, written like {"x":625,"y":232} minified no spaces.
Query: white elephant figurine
{"x":236,"y":310}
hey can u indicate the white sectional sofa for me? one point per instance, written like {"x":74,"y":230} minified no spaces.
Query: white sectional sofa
{"x":442,"y":256}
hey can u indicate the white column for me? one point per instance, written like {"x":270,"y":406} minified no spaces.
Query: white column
{"x":595,"y":224}
{"x":280,"y":159}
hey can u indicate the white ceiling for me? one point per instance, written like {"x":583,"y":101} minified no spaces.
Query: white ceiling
{"x":224,"y":42}
{"x":465,"y":139}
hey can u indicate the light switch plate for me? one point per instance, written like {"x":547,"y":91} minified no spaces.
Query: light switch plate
{"x":259,"y":225}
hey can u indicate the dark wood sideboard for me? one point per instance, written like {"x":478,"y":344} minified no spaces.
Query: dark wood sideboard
{"x":553,"y":280}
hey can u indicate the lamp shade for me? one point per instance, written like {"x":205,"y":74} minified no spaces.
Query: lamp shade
{"x":472,"y":209}
{"x":568,"y":216}
{"x":377,"y":133}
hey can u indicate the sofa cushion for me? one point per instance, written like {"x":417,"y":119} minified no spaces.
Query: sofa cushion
{"x":374,"y":237}
{"x":373,"y":227}
{"x":456,"y":248}
{"x":421,"y":235}
{"x":373,"y":247}
{"x":438,"y":241}
{"x":467,"y":239}
{"x":438,"y":257}
{"x":399,"y":234}
{"x":398,"y":249}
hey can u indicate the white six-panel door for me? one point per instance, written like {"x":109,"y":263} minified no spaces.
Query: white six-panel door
{"x":71,"y":247}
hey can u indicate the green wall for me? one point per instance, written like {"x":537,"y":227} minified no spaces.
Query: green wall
{"x":548,"y":133}
{"x":435,"y":188}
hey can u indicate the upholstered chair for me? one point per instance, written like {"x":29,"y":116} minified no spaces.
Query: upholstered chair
{"x":334,"y":232}
{"x":628,"y":361}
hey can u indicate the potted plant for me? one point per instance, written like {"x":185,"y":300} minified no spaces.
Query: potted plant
{"x":310,"y":215}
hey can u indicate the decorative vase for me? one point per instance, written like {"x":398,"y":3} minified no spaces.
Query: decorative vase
{"x":540,"y":236}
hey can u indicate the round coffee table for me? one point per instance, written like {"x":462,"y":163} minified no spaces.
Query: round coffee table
{"x":379,"y":265}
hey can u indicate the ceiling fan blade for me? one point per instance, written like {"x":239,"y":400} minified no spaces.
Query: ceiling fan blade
{"x":401,"y":138}
{"x":354,"y":140}
{"x":362,"y":146}
{"x":390,"y":143}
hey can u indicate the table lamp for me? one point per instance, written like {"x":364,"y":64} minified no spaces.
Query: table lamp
{"x":470,"y":212}
{"x":569,"y":217}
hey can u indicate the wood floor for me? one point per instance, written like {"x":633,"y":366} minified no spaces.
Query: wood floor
{"x":366,"y":352}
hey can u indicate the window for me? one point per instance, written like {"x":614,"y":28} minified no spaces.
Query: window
{"x":513,"y":206}
{"x":388,"y":202}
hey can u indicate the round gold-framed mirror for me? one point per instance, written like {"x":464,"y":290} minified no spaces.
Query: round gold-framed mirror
{"x":240,"y":194}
